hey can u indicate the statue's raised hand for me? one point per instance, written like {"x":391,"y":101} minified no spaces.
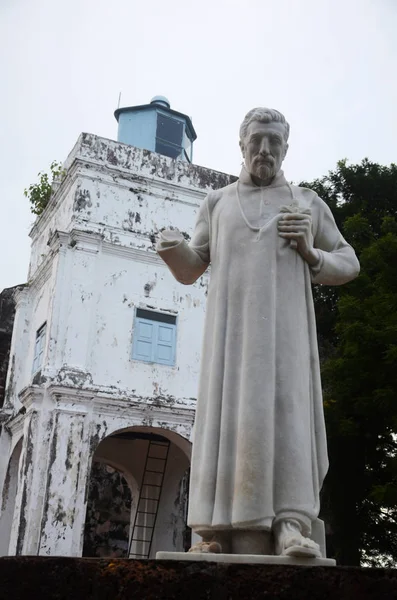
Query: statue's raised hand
{"x":169,"y":238}
{"x":298,"y":227}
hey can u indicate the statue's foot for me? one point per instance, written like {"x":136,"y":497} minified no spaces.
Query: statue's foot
{"x":289,"y":541}
{"x":204,"y":547}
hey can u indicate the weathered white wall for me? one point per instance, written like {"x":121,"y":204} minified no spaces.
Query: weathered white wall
{"x":93,"y":263}
{"x":8,"y":497}
{"x":58,"y":216}
{"x":109,"y":208}
{"x":98,"y":325}
{"x":34,"y":307}
{"x":116,"y":188}
{"x":79,"y":423}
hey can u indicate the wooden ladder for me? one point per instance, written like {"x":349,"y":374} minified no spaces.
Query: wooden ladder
{"x":149,"y":498}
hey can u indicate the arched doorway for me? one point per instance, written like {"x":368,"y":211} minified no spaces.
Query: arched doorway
{"x":145,"y":469}
{"x":8,"y":498}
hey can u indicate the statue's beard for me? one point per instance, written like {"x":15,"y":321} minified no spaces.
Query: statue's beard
{"x":264,"y":169}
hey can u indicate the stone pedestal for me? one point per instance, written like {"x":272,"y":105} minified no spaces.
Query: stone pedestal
{"x":247,"y":559}
{"x":24,"y":578}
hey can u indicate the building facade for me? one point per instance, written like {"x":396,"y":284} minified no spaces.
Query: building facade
{"x":104,"y":359}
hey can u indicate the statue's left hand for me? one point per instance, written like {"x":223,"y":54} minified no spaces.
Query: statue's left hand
{"x":298,"y":227}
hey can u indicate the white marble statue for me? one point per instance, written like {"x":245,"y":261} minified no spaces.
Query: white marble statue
{"x":259,"y":450}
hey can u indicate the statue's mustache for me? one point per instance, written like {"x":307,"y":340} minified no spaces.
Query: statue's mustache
{"x":266,"y":160}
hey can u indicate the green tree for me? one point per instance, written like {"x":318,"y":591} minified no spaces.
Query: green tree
{"x":39,"y":194}
{"x":357,"y":332}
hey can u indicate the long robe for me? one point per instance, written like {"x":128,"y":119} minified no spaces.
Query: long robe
{"x":259,"y":448}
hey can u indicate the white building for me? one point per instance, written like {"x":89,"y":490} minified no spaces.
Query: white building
{"x":105,"y":348}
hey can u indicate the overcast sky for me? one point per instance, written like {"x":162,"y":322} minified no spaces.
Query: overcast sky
{"x":329,"y":65}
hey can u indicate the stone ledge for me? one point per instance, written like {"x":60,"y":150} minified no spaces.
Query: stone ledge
{"x":93,"y":579}
{"x":247,"y":559}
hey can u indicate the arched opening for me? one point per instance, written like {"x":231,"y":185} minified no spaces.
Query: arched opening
{"x":8,"y":498}
{"x":138,"y":494}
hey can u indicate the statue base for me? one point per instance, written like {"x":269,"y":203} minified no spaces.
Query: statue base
{"x":196,"y":579}
{"x":247,"y":559}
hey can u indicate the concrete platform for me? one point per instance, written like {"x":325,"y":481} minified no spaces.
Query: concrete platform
{"x":30,"y":577}
{"x":247,"y":559}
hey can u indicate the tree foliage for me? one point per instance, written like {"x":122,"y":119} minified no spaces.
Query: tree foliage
{"x":39,"y":194}
{"x":357,"y":332}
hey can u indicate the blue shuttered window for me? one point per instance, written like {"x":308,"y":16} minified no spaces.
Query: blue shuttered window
{"x":154,"y":339}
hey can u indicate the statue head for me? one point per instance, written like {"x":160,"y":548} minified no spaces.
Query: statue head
{"x":263,"y":142}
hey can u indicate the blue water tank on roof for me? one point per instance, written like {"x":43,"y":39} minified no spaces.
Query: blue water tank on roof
{"x":158,"y":128}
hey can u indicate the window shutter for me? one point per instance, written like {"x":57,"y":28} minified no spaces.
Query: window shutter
{"x":144,"y":336}
{"x":39,"y":348}
{"x":154,"y":337}
{"x":165,"y":344}
{"x":35,"y":363}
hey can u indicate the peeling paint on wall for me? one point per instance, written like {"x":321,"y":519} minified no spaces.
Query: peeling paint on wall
{"x":7,"y":315}
{"x":107,"y":524}
{"x":27,"y":468}
{"x":93,"y":263}
{"x":74,"y":377}
{"x":82,"y":199}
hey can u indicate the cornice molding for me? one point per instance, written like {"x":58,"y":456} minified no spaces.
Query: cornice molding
{"x":42,"y":273}
{"x":21,"y":297}
{"x":86,"y":241}
{"x":163,"y":189}
{"x":58,"y":239}
{"x":136,"y":254}
{"x":82,"y":401}
{"x":15,"y":425}
{"x":92,"y":242}
{"x":31,"y":397}
{"x":70,"y":395}
{"x":5,"y":414}
{"x":117,"y":408}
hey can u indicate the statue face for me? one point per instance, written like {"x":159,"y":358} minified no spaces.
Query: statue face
{"x":264,"y":149}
